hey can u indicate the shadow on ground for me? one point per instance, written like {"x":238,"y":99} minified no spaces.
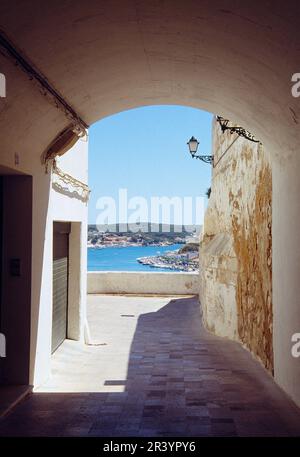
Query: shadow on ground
{"x":181,"y":381}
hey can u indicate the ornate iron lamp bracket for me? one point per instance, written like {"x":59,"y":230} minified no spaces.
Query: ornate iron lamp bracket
{"x":206,"y":159}
{"x":235,"y":129}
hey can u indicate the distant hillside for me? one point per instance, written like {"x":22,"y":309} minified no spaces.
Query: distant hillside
{"x":145,"y":227}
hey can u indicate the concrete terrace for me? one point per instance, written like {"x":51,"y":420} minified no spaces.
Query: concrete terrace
{"x":153,"y":370}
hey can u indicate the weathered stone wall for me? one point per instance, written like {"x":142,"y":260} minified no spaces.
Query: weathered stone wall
{"x":236,"y":251}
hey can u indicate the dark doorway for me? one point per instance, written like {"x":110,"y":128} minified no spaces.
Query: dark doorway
{"x":61,"y":232}
{"x":1,"y":262}
{"x":15,"y":277}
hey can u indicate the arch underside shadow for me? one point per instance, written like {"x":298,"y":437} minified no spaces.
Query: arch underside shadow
{"x":105,"y":58}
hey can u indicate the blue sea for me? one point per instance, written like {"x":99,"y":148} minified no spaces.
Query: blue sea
{"x":124,"y":258}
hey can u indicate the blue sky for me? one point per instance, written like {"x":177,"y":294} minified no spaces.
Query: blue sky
{"x":144,"y":150}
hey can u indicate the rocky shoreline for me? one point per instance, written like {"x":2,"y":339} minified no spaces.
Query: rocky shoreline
{"x":173,"y":261}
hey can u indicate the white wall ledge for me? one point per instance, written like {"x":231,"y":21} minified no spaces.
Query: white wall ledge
{"x":142,"y":282}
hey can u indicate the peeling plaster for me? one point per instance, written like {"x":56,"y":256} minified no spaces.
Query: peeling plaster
{"x":236,"y":251}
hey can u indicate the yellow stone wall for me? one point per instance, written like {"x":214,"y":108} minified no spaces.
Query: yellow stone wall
{"x":236,"y":251}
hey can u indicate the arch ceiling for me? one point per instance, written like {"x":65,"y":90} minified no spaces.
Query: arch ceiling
{"x":232,"y":58}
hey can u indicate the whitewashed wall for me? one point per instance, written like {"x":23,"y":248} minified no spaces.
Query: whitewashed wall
{"x":125,"y":282}
{"x":60,"y":207}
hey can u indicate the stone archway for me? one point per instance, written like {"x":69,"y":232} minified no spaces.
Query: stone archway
{"x":104,"y":58}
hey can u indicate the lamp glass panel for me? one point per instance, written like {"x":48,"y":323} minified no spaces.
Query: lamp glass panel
{"x":193,"y":145}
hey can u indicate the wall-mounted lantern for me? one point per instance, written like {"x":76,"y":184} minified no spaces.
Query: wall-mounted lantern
{"x":193,"y":144}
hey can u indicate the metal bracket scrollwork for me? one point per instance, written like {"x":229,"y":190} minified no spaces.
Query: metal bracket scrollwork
{"x":236,"y":129}
{"x":206,"y":159}
{"x":67,"y":184}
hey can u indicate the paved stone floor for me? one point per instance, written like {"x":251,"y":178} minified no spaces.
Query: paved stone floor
{"x":153,"y":371}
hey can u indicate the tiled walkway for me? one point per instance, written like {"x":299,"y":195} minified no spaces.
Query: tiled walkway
{"x":154,"y":371}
